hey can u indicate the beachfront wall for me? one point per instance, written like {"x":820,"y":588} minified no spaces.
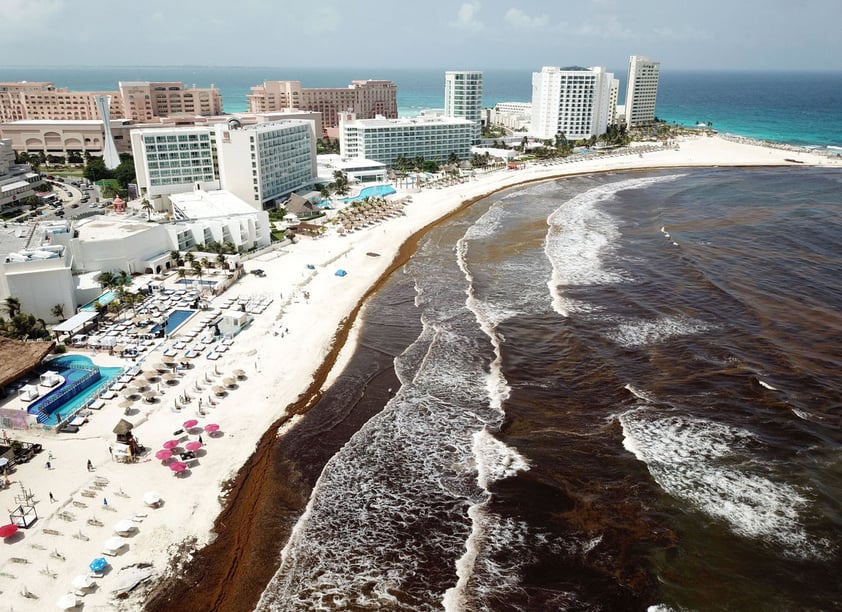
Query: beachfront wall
{"x":39,"y":284}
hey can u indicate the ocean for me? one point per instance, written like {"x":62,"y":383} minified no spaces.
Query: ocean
{"x":800,"y":108}
{"x":614,"y":391}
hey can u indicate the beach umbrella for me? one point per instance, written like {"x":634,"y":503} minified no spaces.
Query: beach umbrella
{"x":114,"y":543}
{"x":152,"y":499}
{"x":150,"y":374}
{"x":170,"y":444}
{"x":3,"y":461}
{"x":164,"y":454}
{"x":211,"y":427}
{"x":229,"y":382}
{"x":82,"y":582}
{"x":8,"y":530}
{"x":124,"y":526}
{"x":193,"y":446}
{"x":98,"y":564}
{"x":169,"y":376}
{"x":239,"y":373}
{"x":190,"y":423}
{"x":218,"y":390}
{"x":67,"y":601}
{"x":150,"y":396}
{"x":178,"y":466}
{"x":126,"y":403}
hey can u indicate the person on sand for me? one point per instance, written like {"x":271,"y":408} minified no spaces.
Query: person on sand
{"x":52,"y":498}
{"x":48,"y":466}
{"x":90,"y":465}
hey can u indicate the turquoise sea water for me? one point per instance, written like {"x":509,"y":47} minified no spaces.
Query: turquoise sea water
{"x":793,"y":107}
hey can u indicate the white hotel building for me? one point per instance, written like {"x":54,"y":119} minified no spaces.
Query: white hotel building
{"x":264,"y":162}
{"x":385,"y":140}
{"x":174,"y":160}
{"x":463,"y":97}
{"x":641,"y":91}
{"x":258,"y":163}
{"x":575,"y":101}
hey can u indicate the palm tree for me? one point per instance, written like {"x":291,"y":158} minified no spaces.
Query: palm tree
{"x":182,"y":273}
{"x":220,"y":259}
{"x":189,"y":258}
{"x":57,"y":311}
{"x":106,"y":279}
{"x":197,"y":270}
{"x":148,"y":207}
{"x":12,"y":306}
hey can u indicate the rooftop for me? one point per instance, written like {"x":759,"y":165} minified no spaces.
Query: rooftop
{"x":111,"y":228}
{"x":208,"y":204}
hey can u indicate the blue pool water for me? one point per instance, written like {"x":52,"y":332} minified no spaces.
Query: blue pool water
{"x":187,"y":281}
{"x":74,"y":369}
{"x":174,"y":321}
{"x":371,"y":192}
{"x":105,"y":298}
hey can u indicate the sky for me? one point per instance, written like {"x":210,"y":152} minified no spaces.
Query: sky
{"x":458,"y":34}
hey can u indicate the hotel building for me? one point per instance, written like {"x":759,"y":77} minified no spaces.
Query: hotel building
{"x":17,"y":181}
{"x":135,"y":100}
{"x":463,"y":97}
{"x":641,"y":91}
{"x":385,"y":140}
{"x":366,"y":98}
{"x":174,"y":160}
{"x":575,"y":101}
{"x":263,"y":162}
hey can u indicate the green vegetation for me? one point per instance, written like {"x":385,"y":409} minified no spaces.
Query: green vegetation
{"x":326,"y":145}
{"x":20,"y":325}
{"x":123,"y":174}
{"x":493,"y":131}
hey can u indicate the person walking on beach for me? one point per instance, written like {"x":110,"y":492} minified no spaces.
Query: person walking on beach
{"x":200,"y":439}
{"x":52,"y":498}
{"x":90,"y":465}
{"x":48,"y":466}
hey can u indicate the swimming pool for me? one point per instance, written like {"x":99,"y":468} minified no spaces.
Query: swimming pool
{"x":83,"y":380}
{"x":187,"y":281}
{"x":175,"y":319}
{"x":105,"y":298}
{"x":371,"y":192}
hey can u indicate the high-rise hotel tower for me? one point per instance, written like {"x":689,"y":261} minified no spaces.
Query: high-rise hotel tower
{"x":641,"y":91}
{"x":463,"y":97}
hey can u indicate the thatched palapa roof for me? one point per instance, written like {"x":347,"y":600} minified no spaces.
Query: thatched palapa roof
{"x":18,"y":357}
{"x":123,"y":427}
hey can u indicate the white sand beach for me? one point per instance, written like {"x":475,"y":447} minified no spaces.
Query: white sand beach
{"x":278,"y":354}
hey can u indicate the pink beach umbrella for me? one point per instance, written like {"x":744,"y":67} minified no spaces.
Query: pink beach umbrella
{"x":190,"y":423}
{"x":164,"y":454}
{"x":8,"y":530}
{"x":170,"y":444}
{"x":211,"y":427}
{"x":178,"y":466}
{"x":193,"y":446}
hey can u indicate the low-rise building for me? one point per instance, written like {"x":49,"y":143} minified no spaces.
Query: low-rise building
{"x":358,"y":170}
{"x":17,"y":181}
{"x":217,"y":216}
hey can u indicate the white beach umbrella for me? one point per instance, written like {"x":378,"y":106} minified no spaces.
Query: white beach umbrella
{"x":67,"y":601}
{"x":124,"y":526}
{"x":152,"y":498}
{"x":82,"y":582}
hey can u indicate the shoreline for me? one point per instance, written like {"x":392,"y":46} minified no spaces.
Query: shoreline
{"x":226,"y":541}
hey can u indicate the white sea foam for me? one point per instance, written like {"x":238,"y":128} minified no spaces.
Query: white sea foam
{"x":579,"y":238}
{"x":705,"y":464}
{"x":641,"y":332}
{"x":766,"y":385}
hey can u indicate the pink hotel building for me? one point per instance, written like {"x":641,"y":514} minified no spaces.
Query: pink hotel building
{"x":134,"y":100}
{"x":366,"y":99}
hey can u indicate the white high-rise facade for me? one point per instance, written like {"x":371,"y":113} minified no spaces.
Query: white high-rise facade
{"x":574,"y":101}
{"x":463,"y":96}
{"x":641,"y":91}
{"x":264,"y":162}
